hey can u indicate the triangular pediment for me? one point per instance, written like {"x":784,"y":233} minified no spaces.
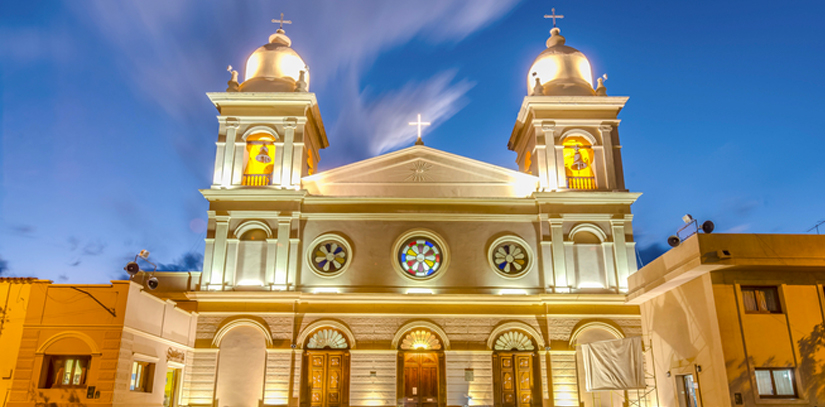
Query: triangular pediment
{"x":421,"y":171}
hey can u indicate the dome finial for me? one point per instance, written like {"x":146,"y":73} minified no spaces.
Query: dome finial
{"x":233,"y":82}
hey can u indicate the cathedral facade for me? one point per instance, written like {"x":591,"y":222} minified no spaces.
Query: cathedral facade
{"x":419,"y":277}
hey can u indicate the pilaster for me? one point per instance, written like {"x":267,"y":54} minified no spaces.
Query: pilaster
{"x":559,"y":265}
{"x":290,"y":124}
{"x":609,"y":172}
{"x":219,"y":256}
{"x":271,"y":256}
{"x":620,"y":252}
{"x":232,"y":125}
{"x":282,"y":256}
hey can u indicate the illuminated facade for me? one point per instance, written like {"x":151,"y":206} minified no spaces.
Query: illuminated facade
{"x":737,"y":320}
{"x":417,"y":278}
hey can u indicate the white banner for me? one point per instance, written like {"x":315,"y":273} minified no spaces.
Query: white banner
{"x":614,"y":365}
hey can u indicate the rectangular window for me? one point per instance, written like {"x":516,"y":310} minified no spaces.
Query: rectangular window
{"x":761,"y":300}
{"x":775,"y":383}
{"x":65,"y":371}
{"x":142,"y":375}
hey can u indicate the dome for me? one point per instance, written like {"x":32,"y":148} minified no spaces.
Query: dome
{"x":274,"y":67}
{"x":561,"y":70}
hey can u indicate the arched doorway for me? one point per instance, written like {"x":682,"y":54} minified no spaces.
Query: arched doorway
{"x":325,"y":381}
{"x":588,"y":333}
{"x":421,"y":367}
{"x":516,"y":370}
{"x":241,"y":364}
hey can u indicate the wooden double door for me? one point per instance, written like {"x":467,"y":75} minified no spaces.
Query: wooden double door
{"x":421,"y":379}
{"x":327,"y":383}
{"x":514,"y":381}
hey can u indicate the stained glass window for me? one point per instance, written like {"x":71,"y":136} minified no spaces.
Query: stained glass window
{"x":420,"y":257}
{"x":329,"y":256}
{"x":510,"y":258}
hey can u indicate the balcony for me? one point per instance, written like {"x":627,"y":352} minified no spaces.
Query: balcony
{"x":257,"y":180}
{"x":581,"y":182}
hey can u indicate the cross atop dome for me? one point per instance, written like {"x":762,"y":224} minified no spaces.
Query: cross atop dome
{"x":281,"y":21}
{"x":552,"y":15}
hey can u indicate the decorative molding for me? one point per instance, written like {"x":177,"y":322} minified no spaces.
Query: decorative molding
{"x":420,"y":339}
{"x":94,"y":349}
{"x":419,"y":171}
{"x":514,"y":340}
{"x":174,"y":355}
{"x":587,"y":227}
{"x":574,"y":336}
{"x":326,"y":323}
{"x":401,"y":332}
{"x":251,"y":225}
{"x":216,"y":341}
{"x":327,"y":338}
{"x":515,"y":326}
{"x":262,"y":129}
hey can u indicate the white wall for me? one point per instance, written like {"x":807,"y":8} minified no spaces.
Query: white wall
{"x":241,"y":366}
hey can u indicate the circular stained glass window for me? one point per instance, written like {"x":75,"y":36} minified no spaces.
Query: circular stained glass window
{"x":329,"y":257}
{"x":420,"y":257}
{"x":510,"y":257}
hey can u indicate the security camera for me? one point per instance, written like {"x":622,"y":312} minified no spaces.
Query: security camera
{"x":144,"y":254}
{"x":674,"y":241}
{"x":132,"y":268}
{"x":152,"y":283}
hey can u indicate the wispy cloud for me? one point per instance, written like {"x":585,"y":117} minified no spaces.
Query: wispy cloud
{"x":339,"y":40}
{"x":382,"y":122}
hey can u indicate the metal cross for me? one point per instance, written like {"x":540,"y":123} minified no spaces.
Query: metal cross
{"x":553,"y":15}
{"x":282,"y":21}
{"x":419,"y":123}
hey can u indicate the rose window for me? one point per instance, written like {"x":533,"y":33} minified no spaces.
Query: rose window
{"x":329,"y":257}
{"x":420,"y":257}
{"x":510,"y":258}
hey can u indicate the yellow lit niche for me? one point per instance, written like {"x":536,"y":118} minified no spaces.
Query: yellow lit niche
{"x":578,"y":163}
{"x":259,"y":160}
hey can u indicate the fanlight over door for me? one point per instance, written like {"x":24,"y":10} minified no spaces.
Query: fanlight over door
{"x":514,"y":362}
{"x":326,"y":377}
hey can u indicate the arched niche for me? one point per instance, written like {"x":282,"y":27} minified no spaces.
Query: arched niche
{"x":587,"y":228}
{"x":260,"y":129}
{"x":408,"y":329}
{"x":241,"y":364}
{"x":317,"y":326}
{"x":590,"y":256}
{"x":252,"y":253}
{"x":250,"y":225}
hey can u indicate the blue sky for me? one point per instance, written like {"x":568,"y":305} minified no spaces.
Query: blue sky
{"x":106,"y":134}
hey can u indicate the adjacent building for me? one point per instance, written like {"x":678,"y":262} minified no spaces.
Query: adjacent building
{"x":736,"y":320}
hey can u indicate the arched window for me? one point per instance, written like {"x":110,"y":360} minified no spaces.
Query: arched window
{"x":251,"y":257}
{"x":578,"y":163}
{"x":259,"y":160}
{"x":588,"y":254}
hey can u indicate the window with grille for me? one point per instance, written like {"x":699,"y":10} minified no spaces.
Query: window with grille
{"x":761,"y":300}
{"x":775,"y":383}
{"x":65,"y":371}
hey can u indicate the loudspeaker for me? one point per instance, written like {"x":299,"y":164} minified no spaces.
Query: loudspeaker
{"x":674,"y":241}
{"x":708,"y":226}
{"x":152,"y":283}
{"x":132,"y":268}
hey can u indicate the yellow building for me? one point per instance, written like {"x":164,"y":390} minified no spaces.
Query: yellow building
{"x":106,"y":345}
{"x":736,"y":320}
{"x":14,"y":299}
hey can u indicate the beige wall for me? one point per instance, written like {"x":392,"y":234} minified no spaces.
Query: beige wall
{"x":14,"y":300}
{"x":682,"y":326}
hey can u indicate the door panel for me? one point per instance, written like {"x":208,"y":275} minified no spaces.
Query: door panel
{"x":515,"y":384}
{"x":327,"y":375}
{"x":420,"y":380}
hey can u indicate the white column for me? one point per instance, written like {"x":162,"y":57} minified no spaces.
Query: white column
{"x":206,"y":274}
{"x":271,"y":255}
{"x":217,"y":176}
{"x":620,"y":252}
{"x":279,"y":159}
{"x":232,"y":125}
{"x":609,"y":167}
{"x":282,"y":257}
{"x":546,"y":156}
{"x":559,"y":266}
{"x":286,"y":165}
{"x":219,"y":253}
{"x":298,"y":157}
{"x":238,"y":167}
{"x":561,"y":174}
{"x":230,"y":277}
{"x":292,"y":265}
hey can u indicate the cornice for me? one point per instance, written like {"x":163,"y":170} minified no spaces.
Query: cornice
{"x":587,"y":198}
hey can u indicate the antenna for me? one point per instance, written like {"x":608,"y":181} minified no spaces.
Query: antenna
{"x":816,"y":227}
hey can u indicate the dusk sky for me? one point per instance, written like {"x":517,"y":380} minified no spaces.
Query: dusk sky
{"x":106,"y":134}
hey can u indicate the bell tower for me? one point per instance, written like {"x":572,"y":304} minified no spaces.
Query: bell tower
{"x":269,"y":134}
{"x":567,"y":132}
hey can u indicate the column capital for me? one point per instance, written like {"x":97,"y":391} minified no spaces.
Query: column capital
{"x":290,"y":122}
{"x":232,"y":122}
{"x":606,"y":127}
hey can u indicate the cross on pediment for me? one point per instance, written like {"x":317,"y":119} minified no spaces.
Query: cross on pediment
{"x":419,"y":123}
{"x":553,"y":15}
{"x":281,"y":21}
